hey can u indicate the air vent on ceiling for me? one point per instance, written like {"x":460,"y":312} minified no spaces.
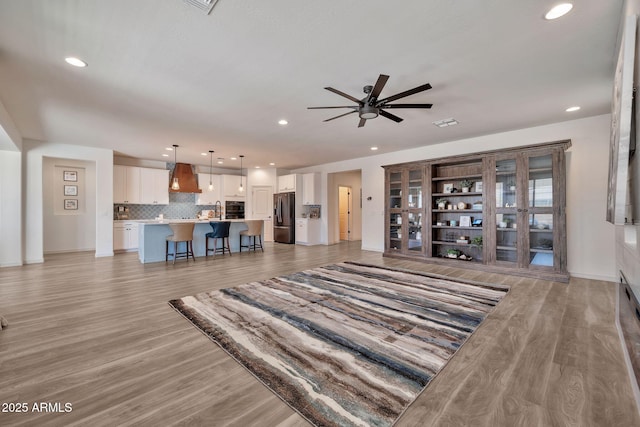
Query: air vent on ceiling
{"x":445,"y":122}
{"x":203,"y":5}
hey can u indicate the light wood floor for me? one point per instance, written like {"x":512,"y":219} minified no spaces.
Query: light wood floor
{"x":99,"y":334}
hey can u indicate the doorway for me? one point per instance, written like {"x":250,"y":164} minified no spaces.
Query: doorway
{"x":345,"y":210}
{"x":262,"y":208}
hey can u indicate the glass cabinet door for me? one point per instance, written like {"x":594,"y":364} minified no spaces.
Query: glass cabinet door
{"x":395,"y":190}
{"x":414,"y":232}
{"x":414,"y":211}
{"x":406,"y":210}
{"x":540,"y":210}
{"x":395,"y":211}
{"x":506,"y":211}
{"x":414,"y":199}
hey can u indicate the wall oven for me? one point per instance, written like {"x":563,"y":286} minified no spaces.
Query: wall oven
{"x":234,"y":210}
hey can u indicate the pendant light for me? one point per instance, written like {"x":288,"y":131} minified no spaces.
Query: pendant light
{"x":211,"y":171}
{"x":175,"y":185}
{"x":241,"y":189}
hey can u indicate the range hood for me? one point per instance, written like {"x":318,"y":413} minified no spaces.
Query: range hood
{"x":186,"y":179}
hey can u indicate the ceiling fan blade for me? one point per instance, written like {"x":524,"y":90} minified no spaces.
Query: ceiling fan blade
{"x":375,"y":92}
{"x":406,"y":106}
{"x":336,"y":91}
{"x":405,"y":93}
{"x":341,"y":115}
{"x":341,"y":106}
{"x":362,"y":122}
{"x":390,"y":116}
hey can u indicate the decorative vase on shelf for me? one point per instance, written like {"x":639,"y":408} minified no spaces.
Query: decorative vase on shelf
{"x":465,"y":189}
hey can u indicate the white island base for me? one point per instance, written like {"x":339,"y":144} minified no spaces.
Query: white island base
{"x":152,"y":237}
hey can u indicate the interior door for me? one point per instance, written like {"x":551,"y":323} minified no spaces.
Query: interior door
{"x":344,"y":212}
{"x":262,"y":208}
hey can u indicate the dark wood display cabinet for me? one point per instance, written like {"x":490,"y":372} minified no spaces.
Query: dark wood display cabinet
{"x":501,"y":211}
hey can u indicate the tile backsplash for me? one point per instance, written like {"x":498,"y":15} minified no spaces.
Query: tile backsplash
{"x":181,"y":205}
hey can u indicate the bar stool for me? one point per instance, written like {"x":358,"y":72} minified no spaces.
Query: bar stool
{"x":254,"y":230}
{"x":182,"y":232}
{"x":220,"y":231}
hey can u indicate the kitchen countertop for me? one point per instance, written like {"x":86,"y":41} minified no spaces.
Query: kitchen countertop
{"x":169,"y":220}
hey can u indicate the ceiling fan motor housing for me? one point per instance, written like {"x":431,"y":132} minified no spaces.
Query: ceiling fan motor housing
{"x":368,"y":112}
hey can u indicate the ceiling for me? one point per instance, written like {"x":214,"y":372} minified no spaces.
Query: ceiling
{"x":163,"y":73}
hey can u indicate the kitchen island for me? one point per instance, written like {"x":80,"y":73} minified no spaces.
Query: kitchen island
{"x":152,"y":235}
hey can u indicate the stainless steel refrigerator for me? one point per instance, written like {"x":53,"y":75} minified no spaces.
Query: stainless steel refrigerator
{"x":284,"y":217}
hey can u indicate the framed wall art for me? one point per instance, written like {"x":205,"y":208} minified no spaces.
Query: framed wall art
{"x":70,"y":190}
{"x":71,"y":176}
{"x":70,"y":204}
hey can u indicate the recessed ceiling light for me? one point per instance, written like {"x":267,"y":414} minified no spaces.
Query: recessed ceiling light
{"x":220,"y":162}
{"x":75,"y":61}
{"x":203,"y":154}
{"x":169,"y":149}
{"x":165,"y":155}
{"x":374,"y":148}
{"x":558,"y":11}
{"x":446,"y":122}
{"x":272,"y":164}
{"x":283,"y":122}
{"x":571,"y":109}
{"x":257,"y":167}
{"x":233,"y":158}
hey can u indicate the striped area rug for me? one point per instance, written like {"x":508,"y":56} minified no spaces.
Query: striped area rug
{"x":347,"y":344}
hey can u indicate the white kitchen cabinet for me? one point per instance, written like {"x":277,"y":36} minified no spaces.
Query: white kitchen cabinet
{"x":154,"y":186}
{"x":125,"y":236}
{"x":307,"y":231}
{"x":208,"y":197}
{"x":231,"y":186}
{"x":126,"y":184}
{"x":311,"y":189}
{"x":287,"y":183}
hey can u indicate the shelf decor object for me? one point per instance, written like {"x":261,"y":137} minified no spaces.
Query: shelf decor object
{"x":517,"y":212}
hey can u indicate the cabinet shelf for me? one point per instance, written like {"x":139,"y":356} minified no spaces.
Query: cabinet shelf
{"x":447,"y":243}
{"x":542,"y":251}
{"x":448,"y":227}
{"x":457,"y":194}
{"x":456,"y":210}
{"x":477,"y":177}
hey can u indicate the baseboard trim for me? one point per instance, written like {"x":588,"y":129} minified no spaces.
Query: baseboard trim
{"x":34,"y":261}
{"x":105,"y":254}
{"x":613,"y":279}
{"x":11,"y":264}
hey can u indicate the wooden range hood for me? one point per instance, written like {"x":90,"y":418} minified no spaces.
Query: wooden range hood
{"x":186,"y":179}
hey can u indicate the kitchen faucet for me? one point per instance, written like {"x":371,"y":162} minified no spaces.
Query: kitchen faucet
{"x":218,"y":207}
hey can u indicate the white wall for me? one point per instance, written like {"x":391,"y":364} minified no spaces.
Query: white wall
{"x":10,"y":209}
{"x":591,"y":241}
{"x":68,"y":230}
{"x":33,"y":189}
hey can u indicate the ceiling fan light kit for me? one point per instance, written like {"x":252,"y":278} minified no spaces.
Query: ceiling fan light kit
{"x":371,"y":107}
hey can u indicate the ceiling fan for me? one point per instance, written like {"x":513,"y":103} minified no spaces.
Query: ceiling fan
{"x":370,"y":106}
